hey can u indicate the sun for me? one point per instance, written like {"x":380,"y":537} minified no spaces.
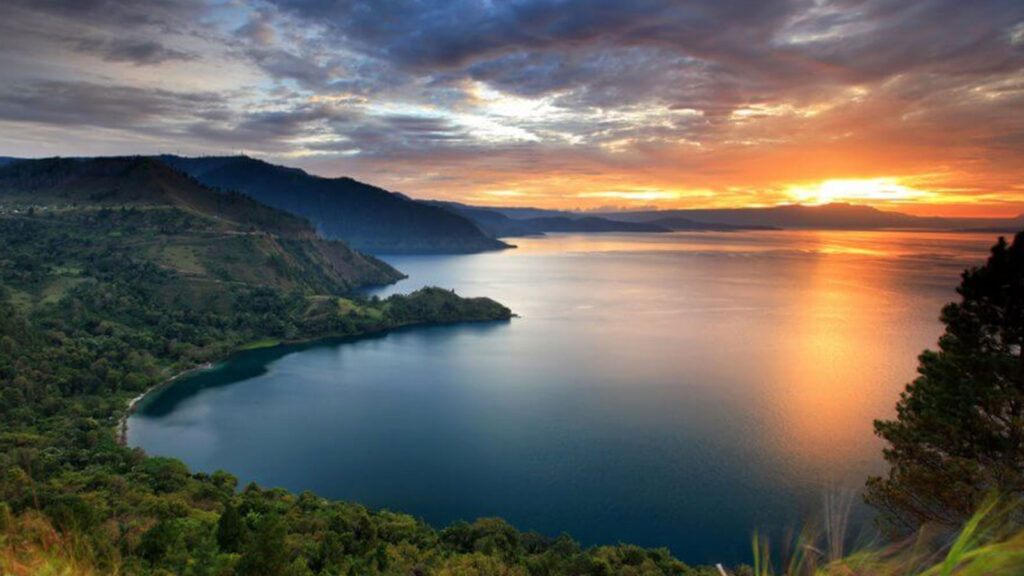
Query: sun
{"x":867,"y":190}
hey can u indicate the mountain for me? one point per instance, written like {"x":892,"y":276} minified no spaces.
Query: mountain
{"x":831,"y":216}
{"x":491,"y":222}
{"x":368,"y":218}
{"x":5,"y":160}
{"x":120,"y":275}
{"x":524,"y":213}
{"x":587,"y":224}
{"x":678,"y":224}
{"x":836,"y":216}
{"x":496,"y":223}
{"x":172,"y":221}
{"x":992,"y":225}
{"x":505,"y":222}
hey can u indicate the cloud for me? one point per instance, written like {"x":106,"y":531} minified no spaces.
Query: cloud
{"x":546,"y":98}
{"x":84,"y":104}
{"x":259,"y":29}
{"x":127,"y":14}
{"x":136,"y":51}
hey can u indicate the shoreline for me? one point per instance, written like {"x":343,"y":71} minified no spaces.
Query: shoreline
{"x":121,"y":428}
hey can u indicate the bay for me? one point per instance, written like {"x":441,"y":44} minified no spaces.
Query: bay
{"x":675,"y":390}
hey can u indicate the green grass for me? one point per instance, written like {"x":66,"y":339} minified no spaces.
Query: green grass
{"x":345,"y":305}
{"x":183,"y":258}
{"x":30,"y":545}
{"x":58,"y":288}
{"x":264,"y":343}
{"x":21,"y":300}
{"x":991,"y":543}
{"x":373,"y":313}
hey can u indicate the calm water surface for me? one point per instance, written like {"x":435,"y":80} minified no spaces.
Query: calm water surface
{"x":672,"y":390}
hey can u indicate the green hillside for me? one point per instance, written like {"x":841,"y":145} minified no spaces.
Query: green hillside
{"x":172,"y":221}
{"x":117,"y":274}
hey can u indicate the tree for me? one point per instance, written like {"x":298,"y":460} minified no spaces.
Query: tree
{"x":158,"y":541}
{"x":959,"y":431}
{"x":230,"y":529}
{"x":265,"y":553}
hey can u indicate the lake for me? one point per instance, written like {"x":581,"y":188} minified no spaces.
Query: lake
{"x":675,"y":390}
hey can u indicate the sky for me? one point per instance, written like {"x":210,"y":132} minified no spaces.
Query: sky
{"x":911,"y":105}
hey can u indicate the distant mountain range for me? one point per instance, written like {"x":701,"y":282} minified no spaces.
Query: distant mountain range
{"x":499,"y":225}
{"x":377,"y":221}
{"x":508,"y":222}
{"x":836,"y":216}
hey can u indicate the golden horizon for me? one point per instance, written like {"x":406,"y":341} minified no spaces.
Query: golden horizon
{"x":890,"y":194}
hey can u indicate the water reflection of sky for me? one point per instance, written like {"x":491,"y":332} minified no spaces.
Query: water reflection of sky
{"x":676,"y":389}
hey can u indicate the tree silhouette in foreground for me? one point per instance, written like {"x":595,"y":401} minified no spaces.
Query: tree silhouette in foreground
{"x":959,"y":431}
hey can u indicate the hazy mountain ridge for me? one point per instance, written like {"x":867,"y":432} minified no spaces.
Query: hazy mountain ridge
{"x":379,"y":221}
{"x":589,"y":224}
{"x":369,"y":218}
{"x":497,"y":224}
{"x":511,"y":221}
{"x":677,"y":223}
{"x":835,"y":216}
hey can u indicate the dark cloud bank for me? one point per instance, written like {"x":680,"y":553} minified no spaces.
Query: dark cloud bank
{"x":399,"y":79}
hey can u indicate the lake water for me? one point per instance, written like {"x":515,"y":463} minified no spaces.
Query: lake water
{"x":673,"y":390}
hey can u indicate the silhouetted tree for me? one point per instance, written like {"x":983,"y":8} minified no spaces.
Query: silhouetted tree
{"x":959,"y":431}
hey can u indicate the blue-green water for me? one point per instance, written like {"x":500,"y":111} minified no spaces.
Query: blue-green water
{"x":666,"y":390}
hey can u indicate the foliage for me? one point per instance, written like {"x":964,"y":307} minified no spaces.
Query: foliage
{"x":89,"y":319}
{"x":100,"y":301}
{"x":988,"y":544}
{"x":959,"y":430}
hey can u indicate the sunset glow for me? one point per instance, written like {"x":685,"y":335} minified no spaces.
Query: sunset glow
{"x":866,"y":191}
{"x":580,"y":105}
{"x":475,"y":287}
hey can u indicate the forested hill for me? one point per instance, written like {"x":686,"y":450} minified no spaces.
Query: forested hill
{"x":174,"y":222}
{"x":369,"y":218}
{"x":116,"y":274}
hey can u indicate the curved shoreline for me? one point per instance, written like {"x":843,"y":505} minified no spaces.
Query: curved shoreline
{"x":121,"y":429}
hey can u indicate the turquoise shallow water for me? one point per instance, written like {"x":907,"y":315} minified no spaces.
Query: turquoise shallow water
{"x":667,"y":390}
